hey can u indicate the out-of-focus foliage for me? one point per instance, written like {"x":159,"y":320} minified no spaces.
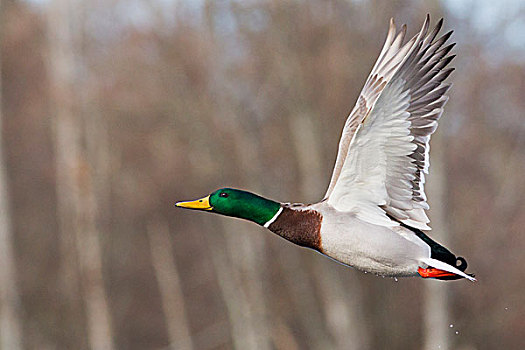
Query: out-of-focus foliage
{"x":198,"y":95}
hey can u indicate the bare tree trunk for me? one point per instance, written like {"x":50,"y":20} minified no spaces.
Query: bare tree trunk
{"x":435,"y":313}
{"x":77,"y":204}
{"x":60,"y":66}
{"x":10,"y":328}
{"x":92,"y":282}
{"x":94,"y":189}
{"x":169,"y":286}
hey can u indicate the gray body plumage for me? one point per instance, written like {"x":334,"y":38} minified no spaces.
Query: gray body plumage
{"x":386,"y":251}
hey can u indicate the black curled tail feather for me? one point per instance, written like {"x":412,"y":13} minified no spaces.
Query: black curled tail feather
{"x":462,"y":266}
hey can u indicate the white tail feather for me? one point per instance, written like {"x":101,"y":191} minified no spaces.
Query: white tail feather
{"x":444,"y":266}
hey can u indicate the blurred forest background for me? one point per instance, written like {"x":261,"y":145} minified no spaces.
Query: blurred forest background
{"x":113,"y":110}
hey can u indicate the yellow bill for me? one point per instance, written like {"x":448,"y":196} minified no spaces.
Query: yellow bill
{"x":199,"y":204}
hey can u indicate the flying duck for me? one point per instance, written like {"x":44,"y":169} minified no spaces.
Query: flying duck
{"x":373,"y":214}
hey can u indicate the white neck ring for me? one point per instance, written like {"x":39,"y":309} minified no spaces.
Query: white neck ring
{"x":269,"y":222}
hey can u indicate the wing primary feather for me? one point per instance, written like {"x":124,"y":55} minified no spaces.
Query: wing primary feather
{"x":383,"y":153}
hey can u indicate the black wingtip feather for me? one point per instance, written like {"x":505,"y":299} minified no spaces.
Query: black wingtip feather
{"x":447,"y":35}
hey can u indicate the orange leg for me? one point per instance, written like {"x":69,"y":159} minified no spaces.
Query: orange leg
{"x":434,"y":273}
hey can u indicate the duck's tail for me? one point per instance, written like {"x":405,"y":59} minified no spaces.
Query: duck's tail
{"x":442,"y":264}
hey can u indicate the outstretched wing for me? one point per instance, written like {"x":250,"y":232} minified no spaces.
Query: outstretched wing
{"x":383,"y":152}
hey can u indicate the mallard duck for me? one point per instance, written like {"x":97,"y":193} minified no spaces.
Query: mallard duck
{"x":373,"y":214}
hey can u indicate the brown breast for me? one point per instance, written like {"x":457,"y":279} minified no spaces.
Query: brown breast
{"x":302,"y":227}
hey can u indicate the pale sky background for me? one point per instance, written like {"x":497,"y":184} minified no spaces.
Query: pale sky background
{"x":484,"y":15}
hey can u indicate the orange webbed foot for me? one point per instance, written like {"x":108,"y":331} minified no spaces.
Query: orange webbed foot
{"x":434,"y":273}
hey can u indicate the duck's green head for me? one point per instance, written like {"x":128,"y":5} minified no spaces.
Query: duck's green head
{"x":236,"y":203}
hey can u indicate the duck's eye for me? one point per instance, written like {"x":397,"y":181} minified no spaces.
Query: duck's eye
{"x":223,"y":195}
